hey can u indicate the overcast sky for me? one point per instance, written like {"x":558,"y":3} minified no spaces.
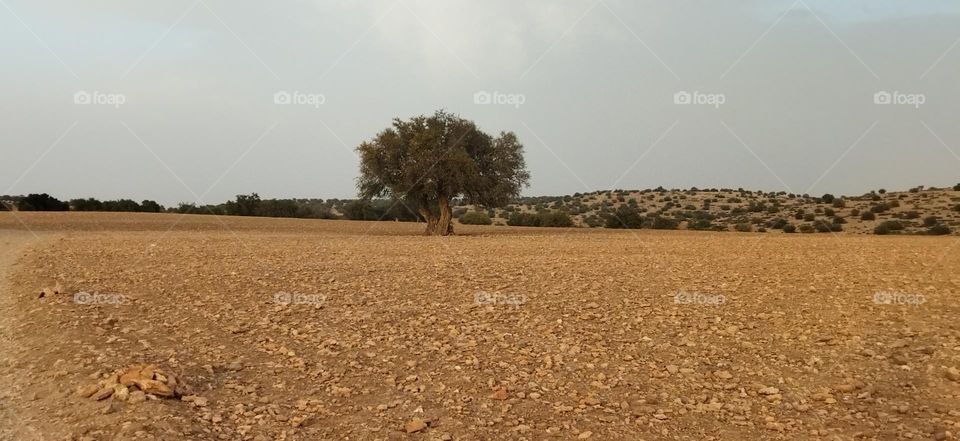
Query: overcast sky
{"x":176,"y":100}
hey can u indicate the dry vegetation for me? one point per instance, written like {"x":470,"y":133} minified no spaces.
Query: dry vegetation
{"x":309,"y":330}
{"x":917,"y":210}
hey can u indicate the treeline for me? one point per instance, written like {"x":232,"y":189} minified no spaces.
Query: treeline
{"x":242,"y":205}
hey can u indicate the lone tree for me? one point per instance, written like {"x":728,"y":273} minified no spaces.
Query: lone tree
{"x":426,"y":162}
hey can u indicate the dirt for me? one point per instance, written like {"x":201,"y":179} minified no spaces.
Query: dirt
{"x":305,"y":330}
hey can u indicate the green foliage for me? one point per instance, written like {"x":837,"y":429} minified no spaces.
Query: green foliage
{"x":429,"y":161}
{"x":475,"y":218}
{"x":624,"y":217}
{"x":789,"y":228}
{"x":41,"y":202}
{"x":89,"y":204}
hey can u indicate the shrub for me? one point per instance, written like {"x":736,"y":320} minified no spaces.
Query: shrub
{"x":523,"y":220}
{"x":956,"y":187}
{"x":829,"y":212}
{"x":778,"y":223}
{"x":837,"y":220}
{"x":910,"y":215}
{"x":809,"y":217}
{"x":743,"y":227}
{"x":930,"y":221}
{"x":839,"y":203}
{"x":868,"y":215}
{"x":821,"y":226}
{"x":789,"y":228}
{"x":939,"y":230}
{"x":699,"y":224}
{"x":475,"y":218}
{"x":625,"y":217}
{"x":806,"y":228}
{"x":555,"y":219}
{"x":888,"y":227}
{"x":662,"y":223}
{"x":855,"y":212}
{"x":827,"y":198}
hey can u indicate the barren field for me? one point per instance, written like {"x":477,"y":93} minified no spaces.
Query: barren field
{"x":313,"y":330}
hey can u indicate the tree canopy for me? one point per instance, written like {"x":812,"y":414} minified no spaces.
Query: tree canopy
{"x":427,"y":161}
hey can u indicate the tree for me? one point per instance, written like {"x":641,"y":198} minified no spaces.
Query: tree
{"x":150,"y":206}
{"x":41,"y":202}
{"x":426,"y":162}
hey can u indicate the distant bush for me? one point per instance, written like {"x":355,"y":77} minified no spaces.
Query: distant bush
{"x":888,"y":227}
{"x":475,"y":218}
{"x":555,"y":219}
{"x":778,"y":223}
{"x":41,"y":202}
{"x":809,"y":217}
{"x":930,"y":221}
{"x":661,"y":223}
{"x":910,"y":215}
{"x":789,"y":228}
{"x":956,"y":187}
{"x":743,"y":227}
{"x":700,"y":224}
{"x":523,"y":220}
{"x":839,"y":203}
{"x":939,"y":230}
{"x":829,"y":212}
{"x":855,"y":212}
{"x":827,"y":198}
{"x":806,"y":228}
{"x":624,"y":217}
{"x":868,"y":215}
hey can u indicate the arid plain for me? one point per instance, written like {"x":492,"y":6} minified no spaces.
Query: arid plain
{"x":282,"y":329}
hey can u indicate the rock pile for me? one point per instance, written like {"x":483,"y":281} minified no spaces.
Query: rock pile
{"x":134,"y":384}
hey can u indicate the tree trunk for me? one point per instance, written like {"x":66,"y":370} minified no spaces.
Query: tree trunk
{"x":431,"y":220}
{"x":444,"y":227}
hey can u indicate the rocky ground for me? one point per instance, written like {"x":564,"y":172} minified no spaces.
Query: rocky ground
{"x":312,"y":330}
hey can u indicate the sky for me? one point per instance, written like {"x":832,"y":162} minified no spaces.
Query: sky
{"x":201,"y":100}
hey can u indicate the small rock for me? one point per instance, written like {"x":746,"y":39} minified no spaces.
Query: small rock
{"x":585,"y":435}
{"x":414,"y":425}
{"x":137,"y":396}
{"x":88,"y":390}
{"x":500,"y":395}
{"x":672,"y":368}
{"x":953,"y":374}
{"x":103,"y":394}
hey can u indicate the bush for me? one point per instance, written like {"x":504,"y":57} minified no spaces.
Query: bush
{"x":809,"y":217}
{"x":827,"y":198}
{"x":956,"y":187}
{"x":789,"y":228}
{"x":778,"y":223}
{"x":700,"y":224}
{"x":930,"y":221}
{"x":523,"y":220}
{"x":939,"y":230}
{"x":662,"y":223}
{"x":743,"y":227}
{"x":806,"y":228}
{"x":625,"y":217}
{"x":868,"y":215}
{"x":888,"y":227}
{"x":821,"y":226}
{"x":475,"y":218}
{"x":555,"y":219}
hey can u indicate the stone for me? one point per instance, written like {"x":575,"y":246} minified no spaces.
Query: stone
{"x":137,"y":396}
{"x":499,"y":394}
{"x":87,"y":390}
{"x":414,"y":425}
{"x":120,"y":392}
{"x":103,"y":393}
{"x":953,"y":374}
{"x":585,"y":435}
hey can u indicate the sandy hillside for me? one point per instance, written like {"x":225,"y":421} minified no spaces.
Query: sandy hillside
{"x":312,"y":330}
